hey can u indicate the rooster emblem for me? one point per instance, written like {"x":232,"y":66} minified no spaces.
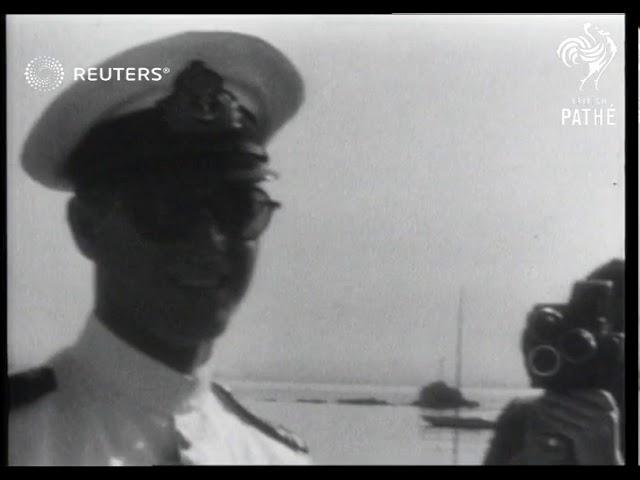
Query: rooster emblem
{"x":596,"y":49}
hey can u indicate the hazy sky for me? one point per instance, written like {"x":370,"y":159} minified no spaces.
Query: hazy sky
{"x":429,"y":156}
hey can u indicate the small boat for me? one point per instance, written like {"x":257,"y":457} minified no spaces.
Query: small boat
{"x":440,"y":396}
{"x":363,"y":401}
{"x":310,"y":400}
{"x":467,"y":423}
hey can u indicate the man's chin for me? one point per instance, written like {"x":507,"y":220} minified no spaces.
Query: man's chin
{"x":194,"y":333}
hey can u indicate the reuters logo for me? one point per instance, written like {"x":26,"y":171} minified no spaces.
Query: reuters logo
{"x":44,"y":73}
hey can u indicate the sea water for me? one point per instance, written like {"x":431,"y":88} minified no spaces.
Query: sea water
{"x":340,"y":434}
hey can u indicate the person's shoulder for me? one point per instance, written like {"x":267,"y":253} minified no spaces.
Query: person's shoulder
{"x":516,"y":409}
{"x":513,"y":417}
{"x":510,"y":428}
{"x":275,"y":432}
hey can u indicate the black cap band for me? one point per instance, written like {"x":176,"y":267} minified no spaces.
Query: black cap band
{"x":199,"y":126}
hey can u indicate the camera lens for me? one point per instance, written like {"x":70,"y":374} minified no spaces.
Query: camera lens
{"x":544,"y":361}
{"x":546,"y":323}
{"x":612,"y":346}
{"x":578,"y":345}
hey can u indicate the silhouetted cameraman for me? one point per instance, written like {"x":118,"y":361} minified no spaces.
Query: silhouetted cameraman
{"x":575,"y":352}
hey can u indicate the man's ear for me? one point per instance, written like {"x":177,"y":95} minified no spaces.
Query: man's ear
{"x":84,"y":223}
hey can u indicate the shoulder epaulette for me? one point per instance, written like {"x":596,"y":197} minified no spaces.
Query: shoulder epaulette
{"x":28,"y":386}
{"x":276,"y":432}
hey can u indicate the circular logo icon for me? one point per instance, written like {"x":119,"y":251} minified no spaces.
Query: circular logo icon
{"x":44,"y":73}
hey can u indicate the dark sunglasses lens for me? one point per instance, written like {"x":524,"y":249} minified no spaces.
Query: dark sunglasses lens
{"x":238,"y":214}
{"x":157,"y":219}
{"x":258,"y":222}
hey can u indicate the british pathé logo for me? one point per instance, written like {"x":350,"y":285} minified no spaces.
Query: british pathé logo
{"x":594,"y":50}
{"x":589,"y":111}
{"x":44,"y":73}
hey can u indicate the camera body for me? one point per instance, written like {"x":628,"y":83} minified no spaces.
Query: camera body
{"x":573,"y":345}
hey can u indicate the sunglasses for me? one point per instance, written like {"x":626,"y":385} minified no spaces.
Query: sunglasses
{"x":165,"y":217}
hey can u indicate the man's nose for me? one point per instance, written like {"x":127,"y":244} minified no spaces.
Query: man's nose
{"x":218,"y":239}
{"x":209,"y":238}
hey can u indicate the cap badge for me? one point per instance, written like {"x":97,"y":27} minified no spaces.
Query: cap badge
{"x":200,"y":103}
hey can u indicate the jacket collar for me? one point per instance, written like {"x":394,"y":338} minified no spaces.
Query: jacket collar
{"x":119,"y":370}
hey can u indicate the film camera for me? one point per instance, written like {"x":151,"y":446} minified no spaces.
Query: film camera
{"x":574,"y":345}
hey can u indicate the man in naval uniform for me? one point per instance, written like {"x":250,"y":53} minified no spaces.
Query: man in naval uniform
{"x":167,"y":205}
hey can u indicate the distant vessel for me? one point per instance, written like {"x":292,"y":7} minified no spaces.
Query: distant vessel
{"x":363,"y":401}
{"x":310,"y":400}
{"x":467,"y":423}
{"x":438,"y":395}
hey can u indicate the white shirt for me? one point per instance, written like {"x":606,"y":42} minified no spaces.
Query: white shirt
{"x":114,"y":405}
